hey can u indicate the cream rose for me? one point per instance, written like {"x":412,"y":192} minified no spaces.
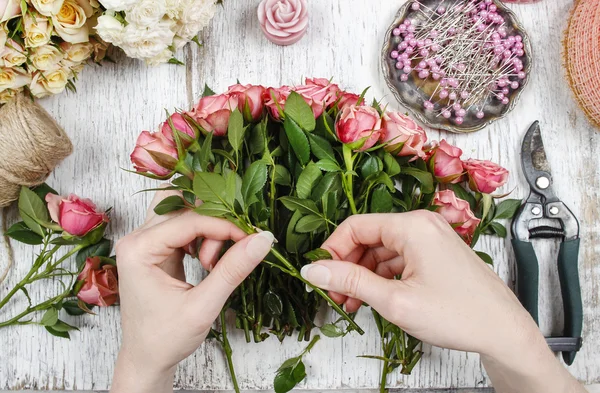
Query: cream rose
{"x":146,"y":13}
{"x":3,"y":36}
{"x":9,"y":9}
{"x":100,"y":48}
{"x":46,"y":57}
{"x":47,"y":7}
{"x":77,"y":52}
{"x":14,"y":55}
{"x":118,"y":5}
{"x":163,"y":57}
{"x":50,"y":82}
{"x":76,"y":68}
{"x":13,"y":78}
{"x":37,"y":30}
{"x":7,"y":95}
{"x":147,"y":43}
{"x":70,"y":22}
{"x":110,"y":29}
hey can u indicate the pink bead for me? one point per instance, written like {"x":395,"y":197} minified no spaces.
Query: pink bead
{"x":458,"y":120}
{"x":481,"y":27}
{"x":403,"y":45}
{"x":443,"y":94}
{"x":480,"y":115}
{"x":434,"y":67}
{"x":433,"y":33}
{"x":402,"y":28}
{"x":441,"y":10}
{"x":464,"y":95}
{"x":522,"y":75}
{"x":420,"y":43}
{"x":439,"y":59}
{"x":412,"y":42}
{"x":422,"y":64}
{"x":411,"y":29}
{"x":507,"y":54}
{"x":456,"y":106}
{"x":453,"y":82}
{"x":452,"y":31}
{"x":518,"y":38}
{"x":424,"y":52}
{"x":492,"y":8}
{"x":514,"y":85}
{"x":452,"y":96}
{"x":394,"y":54}
{"x":520,"y":52}
{"x":415,"y":6}
{"x":428,"y":42}
{"x":428,"y":105}
{"x":423,"y":74}
{"x":446,"y":113}
{"x":501,"y":83}
{"x":407,"y":22}
{"x":436,"y":76}
{"x":505,"y":100}
{"x":519,"y":45}
{"x":461,"y":67}
{"x":461,"y":113}
{"x":404,"y":77}
{"x":396,"y":32}
{"x":407,"y":69}
{"x":409,"y":50}
{"x":404,"y":56}
{"x":505,"y":91}
{"x":444,"y":82}
{"x":435,"y":47}
{"x":500,"y":96}
{"x":399,"y":65}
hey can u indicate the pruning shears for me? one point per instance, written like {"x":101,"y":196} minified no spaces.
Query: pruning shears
{"x":543,"y":204}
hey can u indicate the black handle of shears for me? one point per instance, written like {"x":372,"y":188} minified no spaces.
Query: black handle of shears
{"x":528,"y":273}
{"x":568,"y":273}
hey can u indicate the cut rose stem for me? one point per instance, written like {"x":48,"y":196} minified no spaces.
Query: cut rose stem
{"x":228,"y":351}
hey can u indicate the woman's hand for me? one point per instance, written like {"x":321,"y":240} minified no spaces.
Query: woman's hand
{"x":446,"y":295}
{"x":165,"y":319}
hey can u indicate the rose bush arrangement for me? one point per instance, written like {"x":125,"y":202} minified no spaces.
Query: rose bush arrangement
{"x":297,"y":161}
{"x":44,"y":44}
{"x":152,"y":30}
{"x":91,"y":281}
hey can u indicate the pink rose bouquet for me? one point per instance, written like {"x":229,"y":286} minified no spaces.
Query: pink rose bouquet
{"x":297,"y":161}
{"x":51,"y":222}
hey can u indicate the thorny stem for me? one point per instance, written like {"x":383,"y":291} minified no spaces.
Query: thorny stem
{"x":348,"y":178}
{"x":228,"y":351}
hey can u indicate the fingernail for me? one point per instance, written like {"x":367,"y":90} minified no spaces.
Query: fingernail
{"x":260,"y":245}
{"x":318,"y":275}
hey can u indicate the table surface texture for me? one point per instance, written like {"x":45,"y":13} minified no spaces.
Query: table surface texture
{"x":344,"y":39}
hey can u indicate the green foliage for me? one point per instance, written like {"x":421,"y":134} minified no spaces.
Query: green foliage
{"x":169,"y":204}
{"x":299,"y":111}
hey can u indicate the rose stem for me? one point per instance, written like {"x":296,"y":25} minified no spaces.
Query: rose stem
{"x":245,"y":308}
{"x":228,"y":351}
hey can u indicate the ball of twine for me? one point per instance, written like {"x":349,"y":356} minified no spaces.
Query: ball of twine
{"x":582,"y":57}
{"x":31,"y":146}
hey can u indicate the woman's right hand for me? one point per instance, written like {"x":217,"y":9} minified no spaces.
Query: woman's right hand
{"x":447,"y":296}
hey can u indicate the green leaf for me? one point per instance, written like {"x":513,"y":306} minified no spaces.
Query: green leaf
{"x":463,"y":194}
{"x":297,"y":139}
{"x":58,"y":333}
{"x":169,"y":204}
{"x":42,"y":190}
{"x":331,"y":330}
{"x":485,"y":257}
{"x":310,"y":223}
{"x":290,"y":363}
{"x":282,"y":176}
{"x":304,"y":206}
{"x":307,"y":180}
{"x":207,"y":91}
{"x":328,"y":165}
{"x":390,"y":164}
{"x":21,"y":233}
{"x":257,"y":139}
{"x":235,"y":130}
{"x":287,"y":378}
{"x":507,"y":208}
{"x":72,"y":308}
{"x":209,"y":187}
{"x":273,"y":304}
{"x":50,"y":317}
{"x":498,"y":229}
{"x":102,"y":249}
{"x":203,"y":156}
{"x":254,"y":180}
{"x":212,"y":209}
{"x":321,"y":148}
{"x":61,"y":326}
{"x":230,"y":187}
{"x":33,"y":210}
{"x":423,"y":177}
{"x":294,"y":242}
{"x":318,"y":254}
{"x":330,"y":183}
{"x":175,"y":61}
{"x":182,"y":182}
{"x":381,"y":201}
{"x":487,"y":204}
{"x":371,"y":166}
{"x":299,"y":111}
{"x":95,"y":235}
{"x":329,"y":203}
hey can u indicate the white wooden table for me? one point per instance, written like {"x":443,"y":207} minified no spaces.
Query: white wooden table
{"x":117,"y":101}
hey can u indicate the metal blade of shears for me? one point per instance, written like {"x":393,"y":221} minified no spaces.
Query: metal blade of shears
{"x":535,"y":164}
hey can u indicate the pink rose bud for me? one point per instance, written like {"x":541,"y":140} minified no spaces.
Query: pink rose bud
{"x":9,"y":9}
{"x":403,"y":135}
{"x":485,"y":176}
{"x":181,"y":125}
{"x":154,"y":153}
{"x":75,"y":215}
{"x":348,"y":99}
{"x":101,"y":286}
{"x":446,"y":163}
{"x":284,"y":22}
{"x":359,"y":122}
{"x":457,"y":212}
{"x":250,"y":100}
{"x":212,"y":113}
{"x":319,"y":93}
{"x":275,"y":99}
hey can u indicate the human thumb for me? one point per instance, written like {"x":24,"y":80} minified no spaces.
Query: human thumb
{"x":235,"y":265}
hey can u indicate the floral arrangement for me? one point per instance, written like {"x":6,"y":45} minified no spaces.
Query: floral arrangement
{"x":52,"y":222}
{"x":297,"y":161}
{"x":44,"y":44}
{"x":152,"y":30}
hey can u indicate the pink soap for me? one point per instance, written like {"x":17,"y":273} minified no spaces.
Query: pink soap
{"x":284,"y":22}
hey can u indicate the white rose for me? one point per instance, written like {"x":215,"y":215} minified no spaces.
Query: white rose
{"x":174,"y":8}
{"x":77,"y":52}
{"x":13,"y":78}
{"x":47,"y":7}
{"x":118,"y":5}
{"x":110,"y":29}
{"x":143,"y":43}
{"x":163,"y":57}
{"x":198,"y":12}
{"x":179,"y":42}
{"x":3,"y":37}
{"x":75,"y":67}
{"x":37,"y":30}
{"x":50,"y":82}
{"x":9,"y":9}
{"x":8,"y":94}
{"x":189,"y":30}
{"x":146,"y":12}
{"x":46,"y":57}
{"x":14,"y":55}
{"x":70,"y":22}
{"x":100,"y":48}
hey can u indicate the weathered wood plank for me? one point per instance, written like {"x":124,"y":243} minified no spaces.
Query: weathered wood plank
{"x":116,"y":102}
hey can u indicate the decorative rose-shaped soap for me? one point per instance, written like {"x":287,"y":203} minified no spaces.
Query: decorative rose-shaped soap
{"x":284,"y":22}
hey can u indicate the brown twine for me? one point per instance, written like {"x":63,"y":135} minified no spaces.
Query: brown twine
{"x":31,"y":146}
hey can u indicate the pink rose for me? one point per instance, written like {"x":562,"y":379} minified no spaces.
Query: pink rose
{"x":212,"y":113}
{"x":319,"y":93}
{"x":275,"y":99}
{"x":154,"y":153}
{"x":180,"y":125}
{"x":457,"y":212}
{"x":284,"y":22}
{"x":101,"y":286}
{"x":485,"y":176}
{"x":358,"y":122}
{"x":250,"y":99}
{"x":9,"y":9}
{"x":75,"y":215}
{"x":446,"y":163}
{"x":403,"y":134}
{"x":348,"y":99}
